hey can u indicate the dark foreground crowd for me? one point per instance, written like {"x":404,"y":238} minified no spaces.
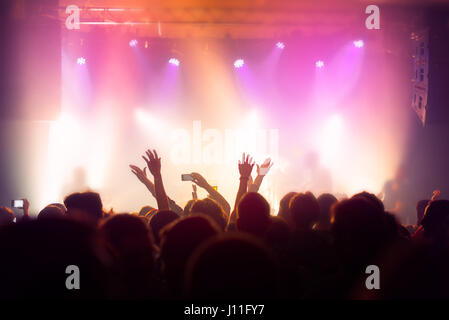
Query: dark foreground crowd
{"x":315,"y":247}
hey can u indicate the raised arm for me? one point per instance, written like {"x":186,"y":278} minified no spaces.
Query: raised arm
{"x":261,"y":173}
{"x":142,"y":176}
{"x":245,"y":168}
{"x":214,"y":194}
{"x":154,"y":165}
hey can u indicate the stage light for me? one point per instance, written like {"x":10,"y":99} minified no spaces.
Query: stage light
{"x":319,"y":64}
{"x":239,"y":63}
{"x":358,"y":43}
{"x":81,"y":60}
{"x":174,"y":61}
{"x":133,"y":43}
{"x":280,"y":45}
{"x":146,"y":44}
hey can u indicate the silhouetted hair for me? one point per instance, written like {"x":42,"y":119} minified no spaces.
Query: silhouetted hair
{"x":51,"y":211}
{"x":358,"y":228}
{"x":305,"y":210}
{"x":372,"y":198}
{"x":211,"y":209}
{"x":60,"y":206}
{"x":253,"y":214}
{"x":178,"y":241}
{"x":284,"y":207}
{"x":87,"y":202}
{"x":129,"y":239}
{"x":126,"y":233}
{"x":159,"y":220}
{"x":325,"y":201}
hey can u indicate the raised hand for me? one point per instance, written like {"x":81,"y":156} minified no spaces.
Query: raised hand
{"x":199,"y":180}
{"x":154,"y":165}
{"x":246,"y":166}
{"x":153,"y":162}
{"x":140,"y":174}
{"x":214,"y":194}
{"x":264,"y":167}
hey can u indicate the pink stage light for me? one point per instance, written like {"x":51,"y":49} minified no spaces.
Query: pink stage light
{"x":174,"y":62}
{"x":239,"y":63}
{"x":81,"y":60}
{"x":280,"y":45}
{"x":319,"y":64}
{"x":358,"y":43}
{"x":133,"y":43}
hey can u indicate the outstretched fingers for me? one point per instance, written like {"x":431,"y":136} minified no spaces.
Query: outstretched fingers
{"x":147,"y":161}
{"x":155,"y":155}
{"x":150,"y":155}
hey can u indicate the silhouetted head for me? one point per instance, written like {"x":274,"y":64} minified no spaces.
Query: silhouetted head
{"x":84,"y":206}
{"x":253,"y":214}
{"x":51,"y":211}
{"x":211,"y":209}
{"x":420,"y":209}
{"x":129,"y":241}
{"x":60,"y":206}
{"x":159,"y":220}
{"x":305,"y":210}
{"x":284,"y":207}
{"x":357,"y":227}
{"x":371,"y":198}
{"x":325,"y":201}
{"x":7,"y":216}
{"x":436,"y":219}
{"x":232,"y":265}
{"x":178,"y":241}
{"x":127,"y":235}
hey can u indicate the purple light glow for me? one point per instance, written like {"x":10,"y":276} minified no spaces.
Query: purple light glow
{"x":239,"y":63}
{"x":358,"y":43}
{"x":81,"y":60}
{"x":174,"y":61}
{"x":319,"y":64}
{"x":280,"y":45}
{"x":133,"y":43}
